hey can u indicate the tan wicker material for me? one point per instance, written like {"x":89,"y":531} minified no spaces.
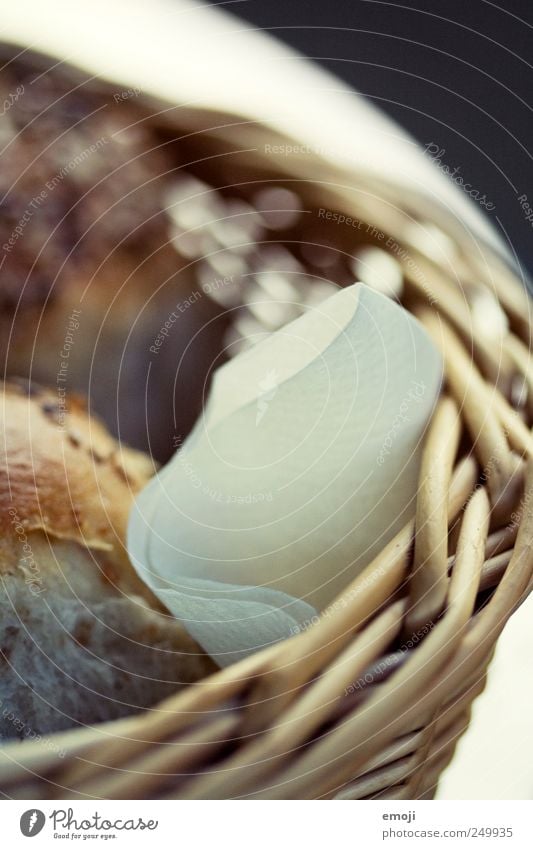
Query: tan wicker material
{"x":369,"y":701}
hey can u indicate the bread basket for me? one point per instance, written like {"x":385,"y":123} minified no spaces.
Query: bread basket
{"x":368,"y":702}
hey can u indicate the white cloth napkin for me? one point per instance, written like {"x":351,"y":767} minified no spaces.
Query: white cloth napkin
{"x":303,"y":465}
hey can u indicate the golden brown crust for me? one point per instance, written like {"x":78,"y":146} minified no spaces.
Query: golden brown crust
{"x":62,"y":473}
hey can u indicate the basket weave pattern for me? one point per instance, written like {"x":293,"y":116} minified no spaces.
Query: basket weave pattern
{"x":369,"y":701}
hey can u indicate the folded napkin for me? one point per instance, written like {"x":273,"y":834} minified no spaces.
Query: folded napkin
{"x":302,"y":467}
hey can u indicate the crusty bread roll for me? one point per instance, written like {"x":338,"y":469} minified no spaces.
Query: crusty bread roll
{"x":146,"y":222}
{"x":82,"y":639}
{"x":85,"y":180}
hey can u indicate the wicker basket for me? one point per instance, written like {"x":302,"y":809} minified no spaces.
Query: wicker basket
{"x":369,"y":701}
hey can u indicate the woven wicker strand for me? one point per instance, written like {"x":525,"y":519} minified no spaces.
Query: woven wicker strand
{"x":370,"y":701}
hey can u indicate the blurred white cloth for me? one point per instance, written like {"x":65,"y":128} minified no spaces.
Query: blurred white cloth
{"x":199,"y":55}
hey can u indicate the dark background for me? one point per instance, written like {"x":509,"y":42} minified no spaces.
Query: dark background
{"x":456,"y":73}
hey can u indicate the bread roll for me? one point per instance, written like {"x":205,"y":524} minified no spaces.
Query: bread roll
{"x":84,"y":230}
{"x":82,"y":639}
{"x":147,"y":221}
